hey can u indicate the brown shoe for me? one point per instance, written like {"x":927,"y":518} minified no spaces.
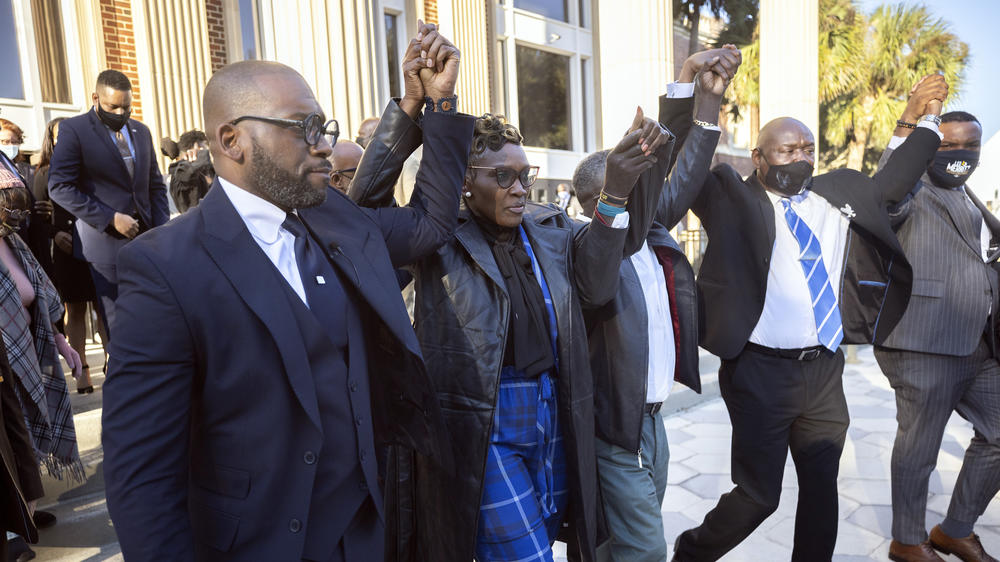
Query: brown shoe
{"x":968,"y":549}
{"x":922,"y":552}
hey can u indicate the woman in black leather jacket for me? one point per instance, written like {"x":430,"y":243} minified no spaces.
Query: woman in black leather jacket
{"x":498,"y":315}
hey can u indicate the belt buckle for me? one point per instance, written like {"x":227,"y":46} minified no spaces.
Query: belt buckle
{"x":808,"y":354}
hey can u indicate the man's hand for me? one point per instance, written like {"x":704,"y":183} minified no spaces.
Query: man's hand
{"x":413,"y":87}
{"x":126,"y":225}
{"x":704,"y":59}
{"x":628,"y":159}
{"x":652,"y":134}
{"x":44,"y":209}
{"x":926,"y":97}
{"x":439,"y":71}
{"x":64,"y":241}
{"x":714,"y":78}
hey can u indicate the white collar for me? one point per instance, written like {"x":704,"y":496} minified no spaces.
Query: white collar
{"x":263,"y":218}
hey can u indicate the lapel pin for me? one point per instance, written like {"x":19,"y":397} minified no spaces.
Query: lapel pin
{"x":320,"y":280}
{"x":848,"y":211}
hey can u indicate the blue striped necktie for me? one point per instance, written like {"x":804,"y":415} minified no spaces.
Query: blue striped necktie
{"x":824,"y":301}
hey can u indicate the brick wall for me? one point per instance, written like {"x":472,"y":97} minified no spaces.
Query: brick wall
{"x":216,"y":34}
{"x":119,"y":46}
{"x":431,"y":11}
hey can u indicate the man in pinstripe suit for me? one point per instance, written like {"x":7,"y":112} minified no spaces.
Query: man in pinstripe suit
{"x":942,"y":355}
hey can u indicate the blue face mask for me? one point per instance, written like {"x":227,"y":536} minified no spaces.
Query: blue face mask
{"x":10,"y":150}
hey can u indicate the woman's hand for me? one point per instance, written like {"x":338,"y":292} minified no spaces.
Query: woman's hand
{"x":70,"y":355}
{"x":64,"y":241}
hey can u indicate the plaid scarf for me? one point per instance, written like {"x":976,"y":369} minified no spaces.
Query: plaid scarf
{"x":31,"y":347}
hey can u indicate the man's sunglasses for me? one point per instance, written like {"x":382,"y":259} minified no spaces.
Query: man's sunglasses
{"x":312,"y":126}
{"x":506,"y":176}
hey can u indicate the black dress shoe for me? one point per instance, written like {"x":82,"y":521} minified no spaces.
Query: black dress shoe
{"x":85,"y":389}
{"x":18,"y":550}
{"x":44,"y":519}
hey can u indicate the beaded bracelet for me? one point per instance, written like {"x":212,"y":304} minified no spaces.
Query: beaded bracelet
{"x":904,"y":124}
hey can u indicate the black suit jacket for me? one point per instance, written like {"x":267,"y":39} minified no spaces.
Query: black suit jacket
{"x":739,"y":220}
{"x":210,"y":406}
{"x":88,"y":178}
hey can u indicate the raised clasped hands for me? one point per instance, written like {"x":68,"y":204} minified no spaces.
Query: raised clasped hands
{"x":926,"y":98}
{"x":716,"y":69}
{"x":430,"y":68}
{"x":633,"y":155}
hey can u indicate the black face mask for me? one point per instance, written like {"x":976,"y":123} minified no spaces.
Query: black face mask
{"x":789,"y":179}
{"x":114,"y":121}
{"x":951,"y":168}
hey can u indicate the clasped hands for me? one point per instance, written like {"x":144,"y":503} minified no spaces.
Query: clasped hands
{"x":430,"y":68}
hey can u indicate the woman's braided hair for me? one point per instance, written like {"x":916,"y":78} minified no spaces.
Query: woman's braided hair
{"x":492,"y":132}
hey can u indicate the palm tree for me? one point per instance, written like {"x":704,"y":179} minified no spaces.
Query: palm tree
{"x":901,"y":44}
{"x":690,"y":13}
{"x":867,"y":66}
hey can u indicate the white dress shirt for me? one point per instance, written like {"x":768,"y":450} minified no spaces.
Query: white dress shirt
{"x":787,"y":321}
{"x":263,"y":220}
{"x":685,"y":90}
{"x":662,"y":354}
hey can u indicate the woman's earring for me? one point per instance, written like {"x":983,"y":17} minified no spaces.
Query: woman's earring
{"x":468,"y":194}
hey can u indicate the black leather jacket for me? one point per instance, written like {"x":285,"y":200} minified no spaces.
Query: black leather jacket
{"x":461,"y":317}
{"x":619,"y":348}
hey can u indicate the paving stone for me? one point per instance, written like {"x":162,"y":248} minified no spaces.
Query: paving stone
{"x":875,"y":518}
{"x":855,"y":540}
{"x":884,"y":425}
{"x":680,"y":452}
{"x":678,"y":436}
{"x":705,"y":429}
{"x":866,"y":492}
{"x":870,"y":411}
{"x":677,"y":421}
{"x":678,"y":473}
{"x":708,"y":464}
{"x":677,"y":498}
{"x":711,"y":445}
{"x":867,"y":469}
{"x":862,"y":450}
{"x":708,"y":486}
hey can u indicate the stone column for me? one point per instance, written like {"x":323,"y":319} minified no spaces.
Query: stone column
{"x":789,"y":61}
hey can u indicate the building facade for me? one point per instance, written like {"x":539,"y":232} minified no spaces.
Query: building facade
{"x":546,"y":64}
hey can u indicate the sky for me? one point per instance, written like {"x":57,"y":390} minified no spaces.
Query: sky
{"x":973,"y":21}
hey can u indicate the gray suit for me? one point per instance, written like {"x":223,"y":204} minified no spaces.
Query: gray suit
{"x":941,"y":357}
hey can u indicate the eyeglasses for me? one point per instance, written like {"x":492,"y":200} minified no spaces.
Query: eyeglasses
{"x":345,"y":171}
{"x":17,"y":215}
{"x":506,"y":176}
{"x":312,"y":126}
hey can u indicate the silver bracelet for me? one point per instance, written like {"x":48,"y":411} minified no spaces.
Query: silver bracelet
{"x":705,"y":124}
{"x":930,"y":118}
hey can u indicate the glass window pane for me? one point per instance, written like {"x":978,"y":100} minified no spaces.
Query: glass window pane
{"x":12,"y":85}
{"x":555,"y":9}
{"x":584,"y":78}
{"x":52,"y":70}
{"x":249,"y":30}
{"x":543,"y":98}
{"x":392,"y":54}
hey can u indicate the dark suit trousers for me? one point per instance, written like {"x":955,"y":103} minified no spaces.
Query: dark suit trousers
{"x":928,"y":389}
{"x":364,"y":538}
{"x":778,"y":404}
{"x":105,"y":277}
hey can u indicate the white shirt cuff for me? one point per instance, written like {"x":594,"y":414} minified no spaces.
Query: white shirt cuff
{"x":680,"y":89}
{"x":895,"y":141}
{"x":621,"y":221}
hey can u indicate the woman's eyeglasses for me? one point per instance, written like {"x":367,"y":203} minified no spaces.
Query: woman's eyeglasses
{"x":312,"y":126}
{"x":506,"y":176}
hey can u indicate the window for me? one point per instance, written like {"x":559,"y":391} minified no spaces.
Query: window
{"x":392,"y":53}
{"x":12,"y":84}
{"x":250,"y":30}
{"x":543,"y":98}
{"x":554,"y":9}
{"x":51,"y":51}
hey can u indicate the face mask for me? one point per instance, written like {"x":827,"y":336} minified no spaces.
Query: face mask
{"x":951,"y":168}
{"x":114,"y":121}
{"x":789,"y":179}
{"x":10,"y":150}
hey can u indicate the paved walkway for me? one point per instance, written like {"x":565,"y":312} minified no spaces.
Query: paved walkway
{"x":699,"y":434}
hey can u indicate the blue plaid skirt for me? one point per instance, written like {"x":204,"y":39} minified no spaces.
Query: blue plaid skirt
{"x":524,"y":492}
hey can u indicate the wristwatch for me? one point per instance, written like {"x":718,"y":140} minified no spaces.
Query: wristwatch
{"x":447,"y":104}
{"x":931,"y":118}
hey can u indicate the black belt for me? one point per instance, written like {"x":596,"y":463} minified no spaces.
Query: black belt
{"x":652,"y":408}
{"x":801,"y":354}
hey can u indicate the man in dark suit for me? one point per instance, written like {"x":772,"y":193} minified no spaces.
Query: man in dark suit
{"x":795,"y":265}
{"x":647,"y":336}
{"x":104,"y":172}
{"x":942,"y":356}
{"x":262,"y":345}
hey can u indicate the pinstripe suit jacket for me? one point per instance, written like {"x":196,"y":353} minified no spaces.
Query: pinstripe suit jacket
{"x":953,"y":290}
